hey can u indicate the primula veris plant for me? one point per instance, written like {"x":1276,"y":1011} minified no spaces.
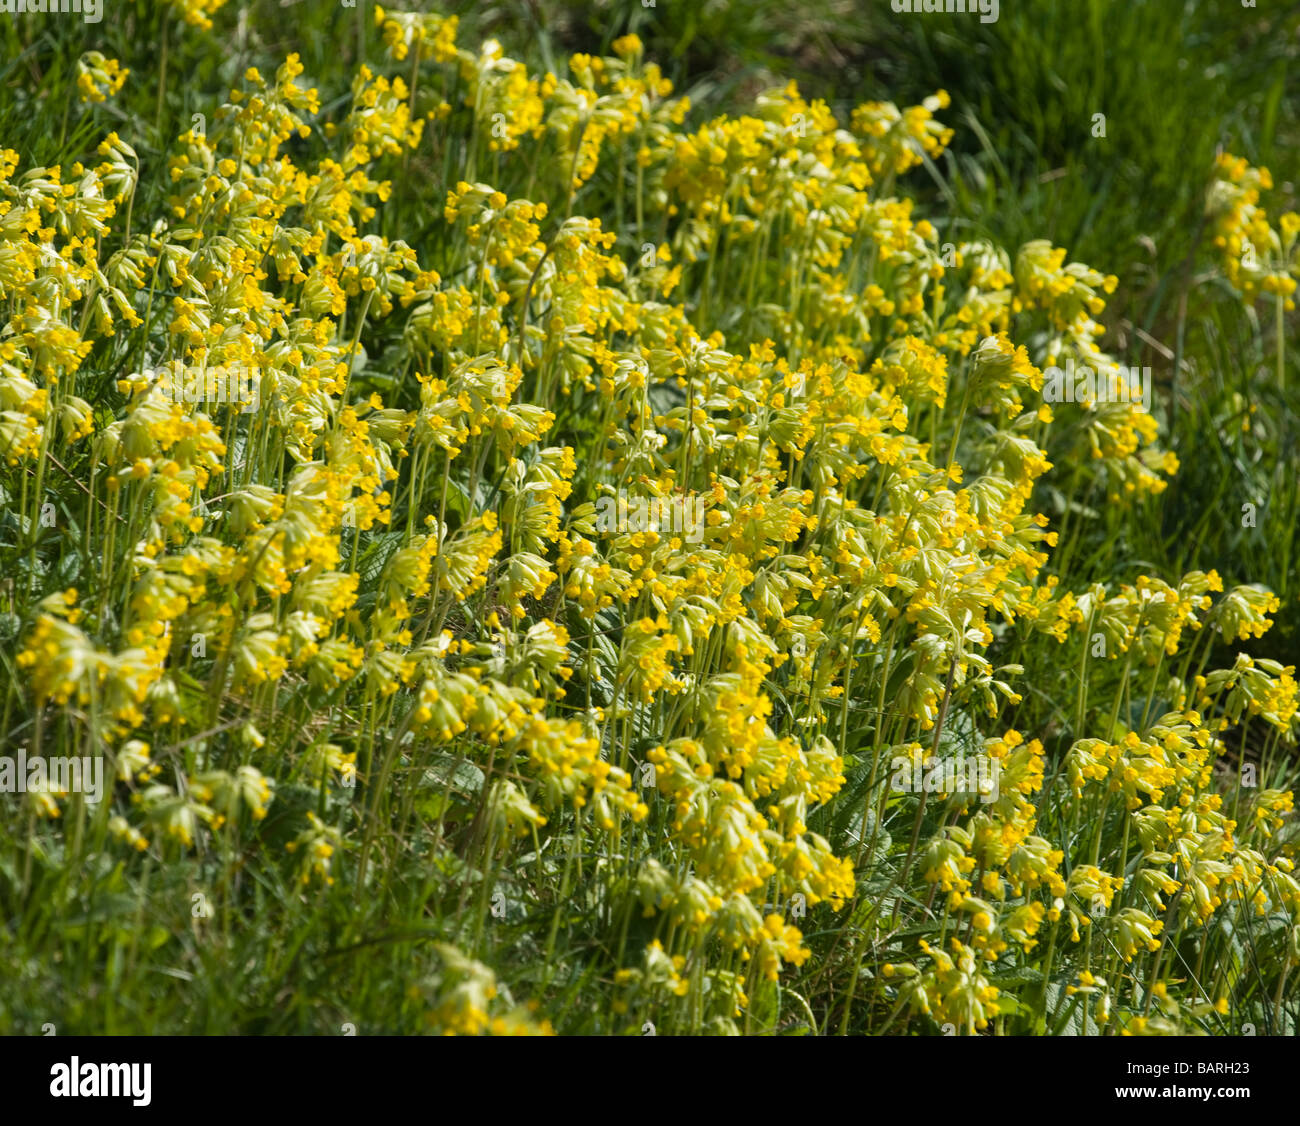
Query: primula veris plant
{"x":607,"y":576}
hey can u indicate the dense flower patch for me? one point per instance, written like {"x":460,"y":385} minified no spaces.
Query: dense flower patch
{"x":635,"y":536}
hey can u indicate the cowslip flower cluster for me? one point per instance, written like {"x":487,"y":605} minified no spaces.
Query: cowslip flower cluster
{"x":394,"y":560}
